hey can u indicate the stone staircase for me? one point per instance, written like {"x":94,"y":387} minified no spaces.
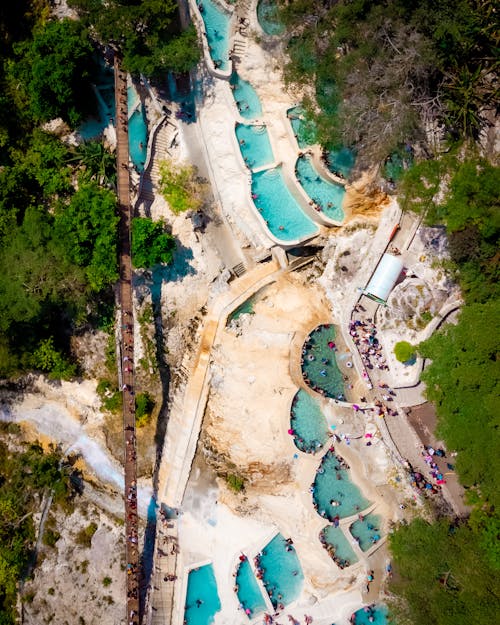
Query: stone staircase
{"x":239,"y":269}
{"x":160,"y":148}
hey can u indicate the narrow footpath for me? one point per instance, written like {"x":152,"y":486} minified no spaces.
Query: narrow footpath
{"x":125,"y":353}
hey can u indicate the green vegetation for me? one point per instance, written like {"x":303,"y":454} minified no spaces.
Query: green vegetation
{"x":404,"y":351}
{"x":381,"y":69}
{"x":181,"y":187}
{"x":84,"y":536}
{"x":24,"y":478}
{"x":456,"y":566}
{"x":444,"y":575}
{"x":144,"y":405}
{"x":147,"y":32}
{"x":151,"y":244}
{"x":235,"y":482}
{"x":53,"y":71}
{"x":107,"y":581}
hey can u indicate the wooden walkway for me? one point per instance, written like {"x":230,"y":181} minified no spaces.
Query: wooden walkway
{"x":126,"y":347}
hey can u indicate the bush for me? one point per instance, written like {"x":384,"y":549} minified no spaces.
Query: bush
{"x":235,"y":482}
{"x":404,"y":351}
{"x":144,"y":405}
{"x":107,"y":581}
{"x":84,"y":536}
{"x":50,"y":537}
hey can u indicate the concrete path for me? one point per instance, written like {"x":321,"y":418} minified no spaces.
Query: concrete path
{"x":185,"y":423}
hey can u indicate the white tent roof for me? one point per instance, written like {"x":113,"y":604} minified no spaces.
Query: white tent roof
{"x":385,"y":277}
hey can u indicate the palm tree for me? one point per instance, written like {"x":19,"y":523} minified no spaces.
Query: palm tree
{"x":96,"y":163}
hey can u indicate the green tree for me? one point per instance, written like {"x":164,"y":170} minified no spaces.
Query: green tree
{"x":47,"y":358}
{"x":88,"y":227}
{"x":181,"y":187}
{"x":463,"y":381}
{"x":97,"y":163}
{"x":443,"y":564}
{"x":404,"y":351}
{"x":54,"y":70}
{"x":151,"y":244}
{"x":144,"y":405}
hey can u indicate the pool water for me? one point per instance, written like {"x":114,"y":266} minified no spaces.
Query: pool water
{"x":340,"y":161}
{"x":325,"y":194}
{"x":267,"y":14}
{"x":254,"y":145}
{"x":303,"y":128}
{"x":243,"y":309}
{"x":202,"y":587}
{"x":319,"y":363}
{"x":283,"y":215}
{"x":249,"y":594}
{"x":216,"y":21}
{"x":105,"y":95}
{"x":246,"y":97}
{"x":337,"y":545}
{"x":308,"y":422}
{"x":282,"y":574}
{"x":367,"y":531}
{"x":334,"y":494}
{"x":379,"y":613}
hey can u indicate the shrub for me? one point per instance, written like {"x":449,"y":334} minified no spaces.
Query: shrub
{"x":107,"y":581}
{"x":235,"y":482}
{"x":144,"y":405}
{"x":84,"y":536}
{"x":404,"y":351}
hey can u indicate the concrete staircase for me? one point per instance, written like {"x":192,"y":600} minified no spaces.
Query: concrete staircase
{"x":165,"y":136}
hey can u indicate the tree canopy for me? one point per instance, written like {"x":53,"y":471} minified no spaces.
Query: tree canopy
{"x":443,"y":575}
{"x":151,"y":244}
{"x":53,"y":71}
{"x":147,"y":32}
{"x":383,"y":70}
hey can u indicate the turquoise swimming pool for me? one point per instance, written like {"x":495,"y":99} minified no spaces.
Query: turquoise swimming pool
{"x":367,"y":532}
{"x":308,"y":423}
{"x":334,"y":541}
{"x":340,"y":161}
{"x":281,"y":571}
{"x":283,"y":215}
{"x":371,"y":615}
{"x":246,"y":97}
{"x":319,"y":362}
{"x":334,"y":495}
{"x":254,"y":145}
{"x":202,"y":599}
{"x":216,"y":21}
{"x":249,"y":594}
{"x":303,"y":127}
{"x":267,"y":14}
{"x":327,"y":195}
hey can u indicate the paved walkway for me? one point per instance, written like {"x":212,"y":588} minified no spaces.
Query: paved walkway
{"x":126,"y":347}
{"x":185,"y":422}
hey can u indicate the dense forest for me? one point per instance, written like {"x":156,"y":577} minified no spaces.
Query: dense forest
{"x":58,"y":223}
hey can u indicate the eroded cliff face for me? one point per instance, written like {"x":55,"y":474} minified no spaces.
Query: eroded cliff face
{"x":364,"y":198}
{"x":264,"y":476}
{"x":252,"y":384}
